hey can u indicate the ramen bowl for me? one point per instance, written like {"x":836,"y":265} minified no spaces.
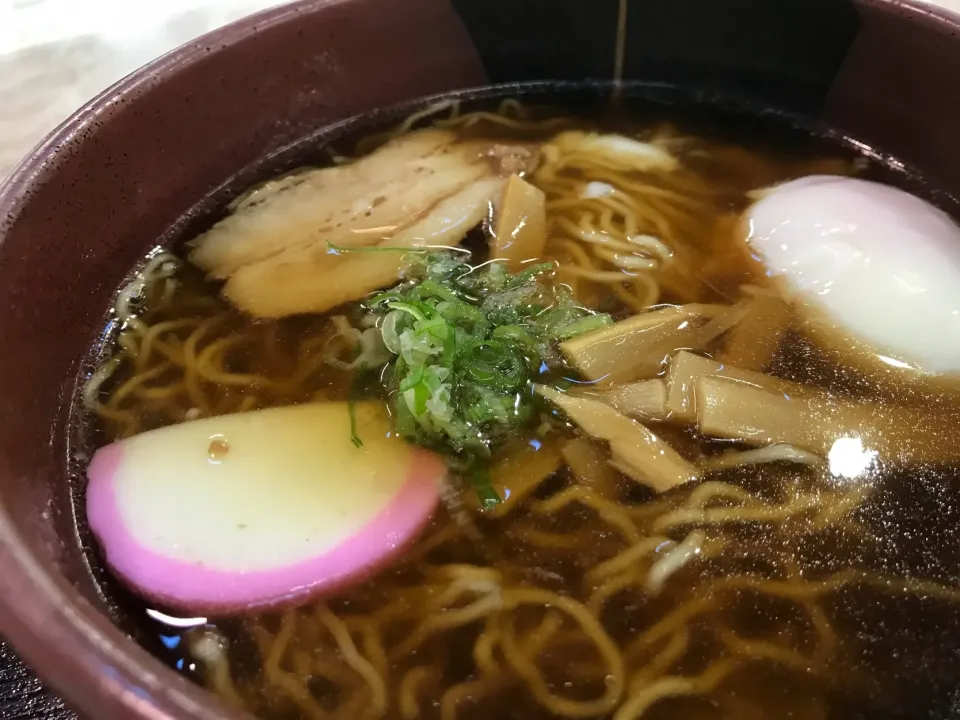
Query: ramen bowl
{"x":141,"y":162}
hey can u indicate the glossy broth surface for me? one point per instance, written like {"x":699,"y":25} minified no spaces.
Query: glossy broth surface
{"x":812,"y":591}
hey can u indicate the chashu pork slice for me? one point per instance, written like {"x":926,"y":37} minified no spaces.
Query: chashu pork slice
{"x":285,"y":249}
{"x":312,"y":279}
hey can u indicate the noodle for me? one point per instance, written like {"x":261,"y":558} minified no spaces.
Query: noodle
{"x":210,"y":362}
{"x":610,"y":513}
{"x":409,"y":690}
{"x":471,"y":690}
{"x":669,"y":686}
{"x":604,"y":645}
{"x":673,"y":560}
{"x":672,"y":652}
{"x":628,"y":558}
{"x":360,"y":664}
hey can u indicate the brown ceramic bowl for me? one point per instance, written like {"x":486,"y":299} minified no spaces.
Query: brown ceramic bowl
{"x":121,"y":173}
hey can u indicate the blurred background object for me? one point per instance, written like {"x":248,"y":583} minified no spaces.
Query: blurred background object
{"x":57,"y":54}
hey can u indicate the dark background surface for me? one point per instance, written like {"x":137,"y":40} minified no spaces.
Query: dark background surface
{"x":22,"y":695}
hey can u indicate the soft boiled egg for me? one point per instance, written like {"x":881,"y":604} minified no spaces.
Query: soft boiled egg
{"x":249,"y":511}
{"x":872,"y":270}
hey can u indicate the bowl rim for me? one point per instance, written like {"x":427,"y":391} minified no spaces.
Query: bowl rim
{"x":118,"y":678}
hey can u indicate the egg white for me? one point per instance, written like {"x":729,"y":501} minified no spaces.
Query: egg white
{"x":874,"y":271}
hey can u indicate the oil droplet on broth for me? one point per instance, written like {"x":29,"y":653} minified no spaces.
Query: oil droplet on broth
{"x":217,"y":449}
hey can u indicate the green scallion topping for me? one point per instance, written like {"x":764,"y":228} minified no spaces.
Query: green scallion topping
{"x":467,"y":344}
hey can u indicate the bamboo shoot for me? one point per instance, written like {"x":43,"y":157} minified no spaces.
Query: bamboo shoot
{"x":637,"y":348}
{"x":518,"y":473}
{"x":643,"y":400}
{"x":520,"y":224}
{"x":815,"y":422}
{"x":753,"y":342}
{"x":687,"y":368}
{"x":650,"y":460}
{"x":588,"y":461}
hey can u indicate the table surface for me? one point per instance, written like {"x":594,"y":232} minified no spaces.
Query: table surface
{"x":55,"y":55}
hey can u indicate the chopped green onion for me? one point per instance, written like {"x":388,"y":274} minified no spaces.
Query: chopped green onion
{"x":495,"y":364}
{"x":465,"y":316}
{"x":520,"y":336}
{"x":581,"y":326}
{"x":409,"y":309}
{"x":433,"y":289}
{"x":531,"y":273}
{"x":338,"y":249}
{"x":466,"y":343}
{"x":489,"y":498}
{"x":384,"y":297}
{"x":352,"y":409}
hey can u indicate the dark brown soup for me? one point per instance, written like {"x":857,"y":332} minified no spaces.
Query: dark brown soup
{"x":742,"y":579}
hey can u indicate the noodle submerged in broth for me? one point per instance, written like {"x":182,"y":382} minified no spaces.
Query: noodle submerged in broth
{"x":645,"y":557}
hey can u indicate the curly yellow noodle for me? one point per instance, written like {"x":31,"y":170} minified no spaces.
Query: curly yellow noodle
{"x":135,"y":383}
{"x":548,"y":627}
{"x":372,"y":646}
{"x":471,"y":691}
{"x":628,"y":558}
{"x":291,"y":685}
{"x":666,"y":687}
{"x":607,"y":510}
{"x":363,"y":667}
{"x":612,"y":586}
{"x":150,"y":340}
{"x":410,"y":689}
{"x":713,"y":516}
{"x":450,"y":618}
{"x":670,"y":655}
{"x":548,"y":540}
{"x":606,"y":648}
{"x":217,"y":674}
{"x":767,"y":650}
